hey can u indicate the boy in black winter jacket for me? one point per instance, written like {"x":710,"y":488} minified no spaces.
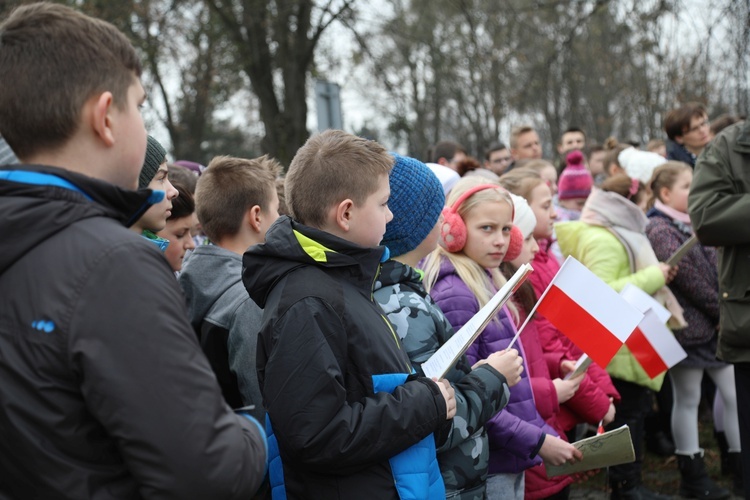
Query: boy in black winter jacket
{"x":349,"y":417}
{"x":105,"y":392}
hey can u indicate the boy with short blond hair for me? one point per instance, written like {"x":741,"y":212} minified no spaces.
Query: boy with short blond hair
{"x":331,"y":167}
{"x":230,"y":189}
{"x":236,"y":202}
{"x":348,"y":415}
{"x":524,"y":143}
{"x":105,"y":392}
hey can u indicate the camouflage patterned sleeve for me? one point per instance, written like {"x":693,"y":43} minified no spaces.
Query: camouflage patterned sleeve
{"x":480,"y":394}
{"x":422,"y":328}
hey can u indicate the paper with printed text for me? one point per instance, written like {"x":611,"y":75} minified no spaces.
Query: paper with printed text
{"x":446,"y":357}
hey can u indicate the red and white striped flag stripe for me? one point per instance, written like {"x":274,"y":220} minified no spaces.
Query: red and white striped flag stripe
{"x":588,"y":311}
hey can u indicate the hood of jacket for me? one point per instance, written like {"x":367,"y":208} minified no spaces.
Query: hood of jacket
{"x":199,"y":278}
{"x":290,"y":245}
{"x":396,"y":273}
{"x":38,"y":201}
{"x":743,"y":138}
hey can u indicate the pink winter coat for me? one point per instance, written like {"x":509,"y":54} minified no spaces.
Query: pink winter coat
{"x":545,"y":396}
{"x":591,"y":401}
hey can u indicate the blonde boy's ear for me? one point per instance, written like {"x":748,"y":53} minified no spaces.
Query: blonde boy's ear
{"x":98,"y":114}
{"x":343,"y":214}
{"x":253,"y":218}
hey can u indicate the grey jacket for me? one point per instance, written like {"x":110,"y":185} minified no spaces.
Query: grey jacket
{"x":226,"y":320}
{"x":719,"y":205}
{"x":105,"y":392}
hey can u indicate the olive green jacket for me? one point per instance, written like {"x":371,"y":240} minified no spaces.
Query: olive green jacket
{"x":719,"y":206}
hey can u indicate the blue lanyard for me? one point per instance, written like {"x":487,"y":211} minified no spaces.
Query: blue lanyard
{"x":40,"y":179}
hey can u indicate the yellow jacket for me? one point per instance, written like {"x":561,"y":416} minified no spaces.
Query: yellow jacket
{"x":602,"y":253}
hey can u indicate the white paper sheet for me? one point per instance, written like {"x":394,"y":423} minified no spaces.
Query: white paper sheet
{"x":445,"y":357}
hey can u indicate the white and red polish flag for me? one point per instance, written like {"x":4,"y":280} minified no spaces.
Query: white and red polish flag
{"x":643,"y":302}
{"x":588,"y":311}
{"x":652,"y":344}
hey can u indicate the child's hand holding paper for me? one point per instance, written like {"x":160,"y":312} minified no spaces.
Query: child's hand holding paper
{"x":507,"y":362}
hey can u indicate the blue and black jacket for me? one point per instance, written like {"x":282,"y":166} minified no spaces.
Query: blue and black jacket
{"x":105,"y":392}
{"x":347,"y":416}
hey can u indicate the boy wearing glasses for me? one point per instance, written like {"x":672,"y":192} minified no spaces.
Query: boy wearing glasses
{"x":688,"y":130}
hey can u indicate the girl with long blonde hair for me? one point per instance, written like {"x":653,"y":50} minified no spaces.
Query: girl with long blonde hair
{"x":462,"y":275}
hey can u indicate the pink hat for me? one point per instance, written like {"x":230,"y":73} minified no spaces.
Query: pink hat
{"x":575,"y":181}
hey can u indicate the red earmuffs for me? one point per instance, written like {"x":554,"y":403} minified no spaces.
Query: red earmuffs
{"x":453,"y":229}
{"x":515,"y":245}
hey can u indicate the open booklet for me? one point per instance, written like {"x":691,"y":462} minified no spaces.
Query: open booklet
{"x":603,"y":450}
{"x":446,"y":357}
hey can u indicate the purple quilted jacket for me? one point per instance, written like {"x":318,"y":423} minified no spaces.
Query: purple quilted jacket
{"x":696,"y":285}
{"x":516,"y":431}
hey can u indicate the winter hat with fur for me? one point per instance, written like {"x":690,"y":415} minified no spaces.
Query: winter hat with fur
{"x":416,"y":202}
{"x":576,"y":180}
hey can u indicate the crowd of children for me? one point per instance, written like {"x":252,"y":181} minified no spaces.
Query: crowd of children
{"x":286,"y":358}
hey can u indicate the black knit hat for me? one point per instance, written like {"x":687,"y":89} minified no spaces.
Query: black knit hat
{"x":155,"y":156}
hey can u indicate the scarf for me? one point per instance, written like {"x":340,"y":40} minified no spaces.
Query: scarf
{"x":157,"y":240}
{"x":628,"y":223}
{"x":671,"y":212}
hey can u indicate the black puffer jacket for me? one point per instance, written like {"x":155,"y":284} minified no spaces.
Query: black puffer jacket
{"x":326,"y":355}
{"x":104,"y":391}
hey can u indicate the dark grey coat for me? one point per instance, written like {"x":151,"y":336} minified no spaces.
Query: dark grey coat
{"x":104,"y":391}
